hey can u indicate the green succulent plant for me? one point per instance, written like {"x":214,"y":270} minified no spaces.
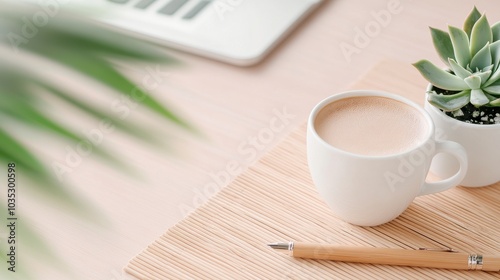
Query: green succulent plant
{"x":472,"y":55}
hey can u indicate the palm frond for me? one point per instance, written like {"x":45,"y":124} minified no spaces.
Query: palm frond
{"x":82,"y":46}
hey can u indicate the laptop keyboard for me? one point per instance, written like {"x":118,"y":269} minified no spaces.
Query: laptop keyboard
{"x":144,"y":4}
{"x":234,"y":31}
{"x":168,"y":8}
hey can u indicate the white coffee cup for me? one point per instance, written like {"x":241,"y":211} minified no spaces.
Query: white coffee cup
{"x":370,"y":190}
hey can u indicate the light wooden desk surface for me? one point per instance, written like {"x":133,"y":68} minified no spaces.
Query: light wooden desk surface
{"x":233,"y":107}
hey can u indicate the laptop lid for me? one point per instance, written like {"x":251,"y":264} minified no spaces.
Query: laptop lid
{"x":240,"y":32}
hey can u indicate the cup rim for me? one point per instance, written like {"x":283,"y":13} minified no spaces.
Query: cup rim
{"x":363,"y":93}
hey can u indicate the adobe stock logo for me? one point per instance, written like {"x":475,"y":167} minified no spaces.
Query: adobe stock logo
{"x":222,"y":7}
{"x":363,"y":36}
{"x":47,"y":9}
{"x":409,"y":164}
{"x":121,"y":109}
{"x":250,"y":149}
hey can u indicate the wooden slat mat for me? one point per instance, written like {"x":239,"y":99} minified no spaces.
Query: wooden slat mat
{"x":275,"y":201}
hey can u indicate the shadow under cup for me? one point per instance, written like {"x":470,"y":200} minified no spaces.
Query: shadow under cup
{"x":369,"y":153}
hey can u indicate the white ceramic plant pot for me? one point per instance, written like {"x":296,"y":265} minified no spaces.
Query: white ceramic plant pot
{"x":480,"y":141}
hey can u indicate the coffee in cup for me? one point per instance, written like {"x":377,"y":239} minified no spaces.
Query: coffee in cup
{"x":371,"y":125}
{"x":369,"y":153}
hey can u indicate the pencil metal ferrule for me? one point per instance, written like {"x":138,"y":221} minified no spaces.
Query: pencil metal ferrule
{"x":475,"y":262}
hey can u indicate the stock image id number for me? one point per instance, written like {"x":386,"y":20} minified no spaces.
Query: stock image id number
{"x":11,"y":188}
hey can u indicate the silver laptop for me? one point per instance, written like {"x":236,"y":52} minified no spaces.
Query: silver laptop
{"x":239,"y":32}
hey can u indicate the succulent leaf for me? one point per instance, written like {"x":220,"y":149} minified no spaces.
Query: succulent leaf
{"x":494,"y":78}
{"x":473,"y":82}
{"x":439,"y":77}
{"x":478,"y":98}
{"x":459,"y":70}
{"x":460,"y":42}
{"x":489,"y":96}
{"x":488,"y":68}
{"x":495,"y":54}
{"x":481,"y":35}
{"x":442,"y":44}
{"x":495,"y":30}
{"x":483,"y":76}
{"x":471,"y":20}
{"x":495,"y":103}
{"x":449,"y":103}
{"x":495,"y":90}
{"x":482,"y":59}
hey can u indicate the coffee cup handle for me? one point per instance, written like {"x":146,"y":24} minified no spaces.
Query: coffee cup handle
{"x":459,"y":153}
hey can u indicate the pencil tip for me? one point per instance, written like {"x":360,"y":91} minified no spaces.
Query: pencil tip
{"x":272,"y":245}
{"x":279,"y":245}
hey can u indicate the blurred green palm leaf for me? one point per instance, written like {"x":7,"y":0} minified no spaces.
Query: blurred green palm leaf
{"x":82,"y":46}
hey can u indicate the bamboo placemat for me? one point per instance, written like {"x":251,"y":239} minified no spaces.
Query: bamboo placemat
{"x":275,"y":201}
